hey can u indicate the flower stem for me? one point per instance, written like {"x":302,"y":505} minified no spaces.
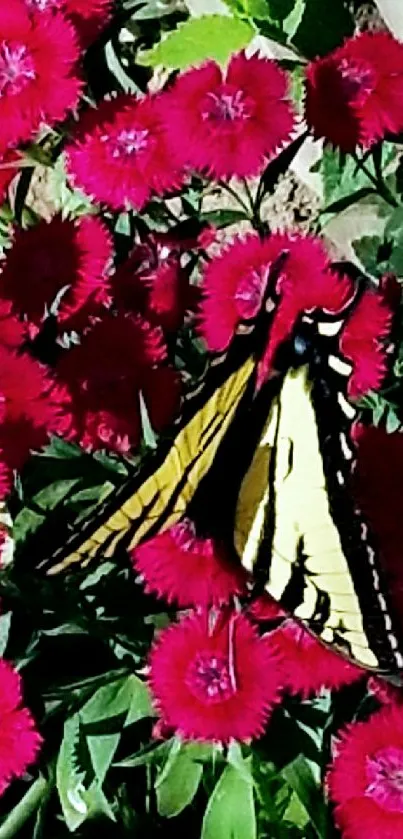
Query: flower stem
{"x":378,"y":182}
{"x":237,"y":197}
{"x":25,"y":808}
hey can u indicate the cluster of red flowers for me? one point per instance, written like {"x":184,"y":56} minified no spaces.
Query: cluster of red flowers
{"x":19,"y":741}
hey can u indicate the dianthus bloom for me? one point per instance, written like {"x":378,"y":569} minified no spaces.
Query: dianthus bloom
{"x":306,"y":665}
{"x":354,"y":95}
{"x":12,"y":331}
{"x":362,"y":342}
{"x":153,"y":282}
{"x":365,"y":781}
{"x":214,"y":680}
{"x":19,"y":741}
{"x":181,"y":568}
{"x":8,"y":170}
{"x":120,"y":358}
{"x":120,"y":153}
{"x":89,"y":17}
{"x":378,"y":490}
{"x":235,"y":282}
{"x":38,"y":82}
{"x":228,"y":123}
{"x":67,"y":264}
{"x":33,"y":406}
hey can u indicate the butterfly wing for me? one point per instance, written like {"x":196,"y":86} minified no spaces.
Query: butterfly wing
{"x":297,"y":528}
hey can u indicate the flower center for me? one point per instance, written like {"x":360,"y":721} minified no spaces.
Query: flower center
{"x":42,"y":5}
{"x":17,"y":68}
{"x":385,"y":778}
{"x":250,"y":291}
{"x":226,"y":107}
{"x":128,"y":142}
{"x":357,"y":81}
{"x":209,"y":678}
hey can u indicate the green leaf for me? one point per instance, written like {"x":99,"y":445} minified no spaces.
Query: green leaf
{"x":5,"y":623}
{"x":69,"y":780}
{"x":140,"y":703}
{"x":299,"y":776}
{"x":223,"y":218}
{"x":114,"y":65}
{"x":178,"y":783}
{"x":49,"y":497}
{"x":323,"y":27}
{"x":230,"y":812}
{"x":211,"y":36}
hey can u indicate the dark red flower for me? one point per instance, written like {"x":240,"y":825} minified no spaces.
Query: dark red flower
{"x":265,"y":608}
{"x":12,"y":332}
{"x":34,"y":406}
{"x":117,"y":361}
{"x":153,"y":283}
{"x":8,"y":170}
{"x":181,"y":568}
{"x":228,"y":123}
{"x":362,"y":342}
{"x":214,"y":679}
{"x":19,"y":741}
{"x":365,"y":780}
{"x":236,"y":281}
{"x":378,"y":490}
{"x":88,"y":16}
{"x":354,"y":95}
{"x":385,"y":692}
{"x":120,"y":153}
{"x":38,"y":82}
{"x":306,"y":665}
{"x":67,"y":264}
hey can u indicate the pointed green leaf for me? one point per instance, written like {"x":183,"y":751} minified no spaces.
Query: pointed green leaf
{"x":230,"y":812}
{"x":299,"y":776}
{"x":210,"y":36}
{"x":69,"y":779}
{"x":5,"y":623}
{"x":178,"y":782}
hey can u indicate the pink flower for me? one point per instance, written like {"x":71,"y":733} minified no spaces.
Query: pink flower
{"x":180,"y":567}
{"x":354,"y":95}
{"x":19,"y":741}
{"x":228,"y":123}
{"x":365,"y":780}
{"x":362,"y":342}
{"x":33,"y":406}
{"x":67,"y":262}
{"x":152,"y":282}
{"x":38,"y":82}
{"x":8,"y":171}
{"x":118,"y":358}
{"x":306,"y":665}
{"x":214,"y":679}
{"x":236,"y":281}
{"x":89,"y":17}
{"x":120,"y":153}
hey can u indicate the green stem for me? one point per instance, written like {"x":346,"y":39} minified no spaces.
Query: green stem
{"x":378,"y":182}
{"x":237,"y":197}
{"x":24,"y":809}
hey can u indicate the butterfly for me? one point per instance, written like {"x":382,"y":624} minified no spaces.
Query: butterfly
{"x":265,"y":467}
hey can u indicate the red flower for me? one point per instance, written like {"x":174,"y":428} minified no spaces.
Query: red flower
{"x":120,"y":154}
{"x":365,"y":781}
{"x":116,"y":361}
{"x":33,"y":407}
{"x":12,"y":332}
{"x":88,"y":16}
{"x":214,"y":682}
{"x":19,"y":741}
{"x":306,"y":665}
{"x":361,"y":341}
{"x":153,"y":282}
{"x":37,"y":71}
{"x":8,"y":171}
{"x":354,"y":95}
{"x":193,"y":572}
{"x":67,"y":264}
{"x":265,"y":608}
{"x":385,"y":692}
{"x":236,"y":280}
{"x":227,"y":124}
